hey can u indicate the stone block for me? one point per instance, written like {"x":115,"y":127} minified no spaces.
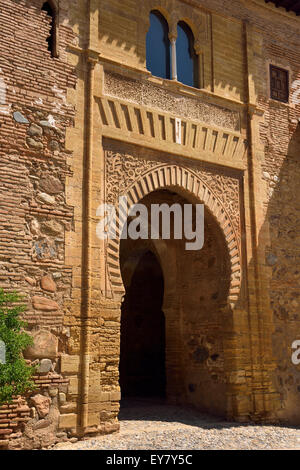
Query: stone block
{"x":62,"y":398}
{"x":48,"y":284}
{"x":67,"y":421}
{"x":45,"y":366}
{"x":45,"y":345}
{"x":69,"y":364}
{"x":42,"y":405}
{"x":43,"y":303}
{"x":115,"y":395}
{"x":70,"y":407}
{"x":18,"y":117}
{"x":73,"y":386}
{"x":94,"y":419}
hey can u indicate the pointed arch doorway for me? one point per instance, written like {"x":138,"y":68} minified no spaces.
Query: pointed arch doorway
{"x":142,"y":348}
{"x":172,"y":316}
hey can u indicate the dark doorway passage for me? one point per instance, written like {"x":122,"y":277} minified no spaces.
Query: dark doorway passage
{"x":142,"y":358}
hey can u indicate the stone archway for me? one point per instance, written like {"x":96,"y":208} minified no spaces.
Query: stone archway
{"x":196,"y":289}
{"x":136,"y":176}
{"x":186,"y":182}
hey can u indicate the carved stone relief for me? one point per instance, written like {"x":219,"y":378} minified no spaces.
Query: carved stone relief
{"x":147,"y":94}
{"x":122,"y":170}
{"x":126,"y":173}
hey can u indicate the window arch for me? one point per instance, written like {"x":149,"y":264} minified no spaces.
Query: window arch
{"x":158,"y":57}
{"x":50,"y":8}
{"x":187,"y":59}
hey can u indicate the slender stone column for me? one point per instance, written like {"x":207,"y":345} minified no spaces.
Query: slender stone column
{"x":173,"y":57}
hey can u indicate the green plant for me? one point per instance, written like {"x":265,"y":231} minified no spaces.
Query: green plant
{"x":15,"y":373}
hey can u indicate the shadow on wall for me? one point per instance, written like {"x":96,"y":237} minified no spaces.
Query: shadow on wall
{"x":279,"y":254}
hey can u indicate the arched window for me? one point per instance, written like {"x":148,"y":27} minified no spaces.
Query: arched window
{"x":158,"y":46}
{"x":50,"y":9}
{"x":187,"y":59}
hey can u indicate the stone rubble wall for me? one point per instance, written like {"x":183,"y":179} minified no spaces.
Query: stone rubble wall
{"x":280,"y":134}
{"x":33,"y":422}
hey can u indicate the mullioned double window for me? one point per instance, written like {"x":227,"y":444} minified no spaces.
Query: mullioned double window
{"x":171,"y":57}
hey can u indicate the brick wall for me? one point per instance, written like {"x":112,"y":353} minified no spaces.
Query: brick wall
{"x":280,"y":135}
{"x":32,"y":421}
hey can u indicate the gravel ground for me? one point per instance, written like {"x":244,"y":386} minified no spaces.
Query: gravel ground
{"x":155,"y":426}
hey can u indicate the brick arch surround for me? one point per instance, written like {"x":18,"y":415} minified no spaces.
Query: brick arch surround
{"x":190,"y":184}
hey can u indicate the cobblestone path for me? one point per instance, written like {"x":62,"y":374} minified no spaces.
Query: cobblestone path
{"x":155,"y":426}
